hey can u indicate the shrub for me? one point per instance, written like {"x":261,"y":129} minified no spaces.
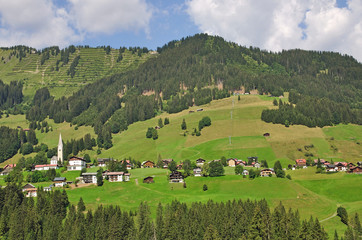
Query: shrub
{"x":204,"y":187}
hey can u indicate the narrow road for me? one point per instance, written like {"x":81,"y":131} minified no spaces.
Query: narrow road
{"x":334,"y":214}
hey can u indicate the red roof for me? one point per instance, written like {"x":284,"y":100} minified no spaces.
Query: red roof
{"x":46,"y":165}
{"x":10,"y":165}
{"x":300,"y":161}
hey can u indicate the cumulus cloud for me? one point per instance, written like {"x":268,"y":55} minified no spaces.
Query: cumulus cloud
{"x":109,"y":16}
{"x":36,"y":23}
{"x":283,"y":24}
{"x":41,"y":23}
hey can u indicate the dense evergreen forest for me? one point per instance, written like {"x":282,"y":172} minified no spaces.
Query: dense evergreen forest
{"x":52,"y":217}
{"x":198,"y":69}
{"x":10,"y":95}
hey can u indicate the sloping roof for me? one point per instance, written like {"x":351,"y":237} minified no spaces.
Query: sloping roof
{"x":75,"y":158}
{"x":29,"y":186}
{"x":89,"y":174}
{"x":59,"y":179}
{"x":115,"y":173}
{"x":46,"y":165}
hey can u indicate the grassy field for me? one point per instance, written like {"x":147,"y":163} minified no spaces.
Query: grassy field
{"x":238,"y":134}
{"x":94,"y":63}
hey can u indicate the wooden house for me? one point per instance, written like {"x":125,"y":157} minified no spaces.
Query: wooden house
{"x":166,"y":162}
{"x":301,"y":162}
{"x":331,"y":168}
{"x":231,"y":162}
{"x":148,"y":164}
{"x":200,"y":162}
{"x":176,"y":177}
{"x":267,"y":172}
{"x":102,"y":162}
{"x":148,"y":180}
{"x":355,"y":170}
{"x":30,"y":190}
{"x":341,"y":166}
{"x":60,"y":181}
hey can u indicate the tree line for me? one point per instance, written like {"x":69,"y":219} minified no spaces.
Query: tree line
{"x":53,"y":217}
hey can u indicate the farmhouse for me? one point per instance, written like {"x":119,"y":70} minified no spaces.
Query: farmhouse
{"x":256,"y":164}
{"x":7,"y":169}
{"x":60,"y":181}
{"x":102,"y":162}
{"x":197,"y":172}
{"x":240,"y":162}
{"x":331,"y":168}
{"x":231,"y":162}
{"x":148,"y":180}
{"x":252,"y":159}
{"x":45,"y":167}
{"x":48,"y":189}
{"x":267,"y":172}
{"x":89,"y":177}
{"x":321,"y":160}
{"x":76,"y":163}
{"x":356,"y":170}
{"x":129,"y":165}
{"x":30,"y":190}
{"x":148,"y":164}
{"x":245,"y":172}
{"x":176,"y":177}
{"x":200,"y":162}
{"x":166,"y":162}
{"x":341,"y":166}
{"x":301,"y":162}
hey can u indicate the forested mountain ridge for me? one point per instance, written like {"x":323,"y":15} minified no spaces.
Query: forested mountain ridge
{"x":198,"y":69}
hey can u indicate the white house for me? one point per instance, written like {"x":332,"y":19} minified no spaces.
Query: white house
{"x":197,"y":172}
{"x":60,"y":181}
{"x":118,"y":176}
{"x":30,"y":190}
{"x":46,"y":167}
{"x":76,"y":163}
{"x":54,"y":160}
{"x":245,"y":172}
{"x":89,"y":177}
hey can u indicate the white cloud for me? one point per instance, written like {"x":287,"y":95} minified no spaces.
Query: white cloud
{"x":276,"y":24}
{"x":37,"y":23}
{"x":41,"y":23}
{"x":109,"y":16}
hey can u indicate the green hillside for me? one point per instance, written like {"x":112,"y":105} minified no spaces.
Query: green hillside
{"x":94,"y":64}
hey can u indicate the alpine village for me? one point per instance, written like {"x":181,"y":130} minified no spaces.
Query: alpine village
{"x":201,"y":138}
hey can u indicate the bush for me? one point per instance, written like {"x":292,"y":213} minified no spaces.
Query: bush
{"x":289,"y":177}
{"x":342,"y":213}
{"x":204,"y":187}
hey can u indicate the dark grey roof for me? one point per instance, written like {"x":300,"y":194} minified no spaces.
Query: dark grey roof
{"x":59,"y":179}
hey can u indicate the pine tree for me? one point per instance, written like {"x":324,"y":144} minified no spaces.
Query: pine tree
{"x":81,"y":206}
{"x":160,"y":123}
{"x":183,"y":124}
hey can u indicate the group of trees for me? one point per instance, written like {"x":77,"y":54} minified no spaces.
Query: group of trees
{"x":311,"y":112}
{"x":52,"y":217}
{"x":11,"y":94}
{"x":13,"y":139}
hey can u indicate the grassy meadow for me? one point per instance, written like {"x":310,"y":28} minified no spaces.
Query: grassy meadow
{"x":237,"y":132}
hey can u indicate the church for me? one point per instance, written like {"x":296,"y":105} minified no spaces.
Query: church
{"x":55,"y":159}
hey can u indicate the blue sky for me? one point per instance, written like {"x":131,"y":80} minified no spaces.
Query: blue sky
{"x":274,"y":25}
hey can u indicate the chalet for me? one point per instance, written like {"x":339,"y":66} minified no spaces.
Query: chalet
{"x":7,"y":169}
{"x":200,"y":162}
{"x":166,"y":162}
{"x":102,"y":162}
{"x":355,"y":170}
{"x":197,"y":172}
{"x":89,"y":177}
{"x":176,"y":177}
{"x":45,"y":167}
{"x":115,"y":176}
{"x":331,"y":168}
{"x":231,"y":162}
{"x":301,"y":162}
{"x":240,"y":162}
{"x":245,"y":172}
{"x":30,"y":190}
{"x":359,"y":164}
{"x":179,"y":166}
{"x":148,"y":164}
{"x":148,"y":180}
{"x":351,"y":165}
{"x":266,"y":134}
{"x":321,"y":160}
{"x":76,"y":163}
{"x":341,"y":166}
{"x":60,"y":181}
{"x":267,"y":172}
{"x":129,"y":165}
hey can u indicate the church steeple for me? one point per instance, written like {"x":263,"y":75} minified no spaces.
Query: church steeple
{"x":60,"y":149}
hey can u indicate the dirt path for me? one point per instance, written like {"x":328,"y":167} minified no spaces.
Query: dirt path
{"x":136,"y":180}
{"x":330,"y":217}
